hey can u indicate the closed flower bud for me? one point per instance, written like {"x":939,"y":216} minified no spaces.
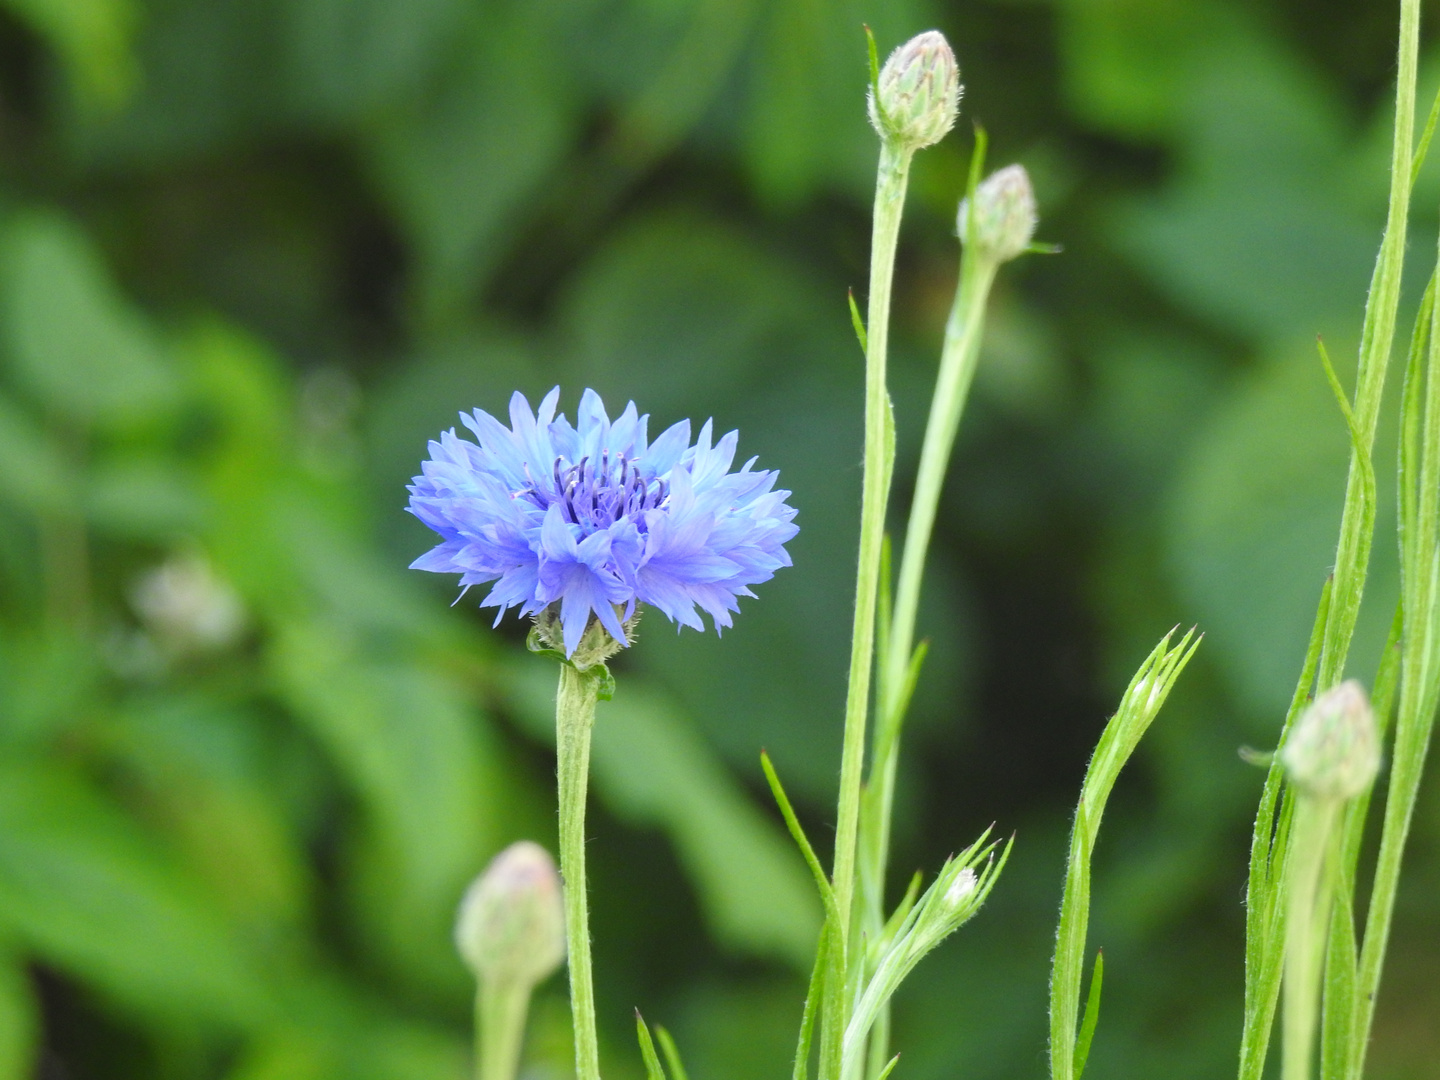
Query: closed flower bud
{"x":917,"y":96}
{"x":1333,"y":753}
{"x":1005,"y":214}
{"x":511,"y":926}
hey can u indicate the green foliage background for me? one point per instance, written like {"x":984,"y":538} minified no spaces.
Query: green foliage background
{"x":254,"y":252}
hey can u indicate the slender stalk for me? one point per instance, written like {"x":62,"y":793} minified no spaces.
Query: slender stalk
{"x":957,"y":370}
{"x":958,"y":358}
{"x":1357,"y":523}
{"x":1308,"y":914}
{"x":1335,"y":626}
{"x":574,"y":719}
{"x":890,"y":183}
{"x":500,"y":1008}
{"x":1419,"y":688}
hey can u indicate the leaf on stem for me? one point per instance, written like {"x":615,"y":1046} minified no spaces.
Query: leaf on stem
{"x":859,"y":324}
{"x":827,"y":892}
{"x":1420,"y":151}
{"x":812,"y":1004}
{"x":653,"y":1071}
{"x":671,"y":1052}
{"x":1092,"y":1015}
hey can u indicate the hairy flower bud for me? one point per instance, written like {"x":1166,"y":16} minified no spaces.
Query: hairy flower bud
{"x":511,"y":926}
{"x":1333,"y":753}
{"x":917,"y":96}
{"x":1005,"y":214}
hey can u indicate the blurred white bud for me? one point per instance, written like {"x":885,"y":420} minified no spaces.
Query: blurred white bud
{"x":1333,"y":753}
{"x":511,"y":926}
{"x":961,"y":888}
{"x":1005,"y":215}
{"x":187,"y":606}
{"x":917,"y":96}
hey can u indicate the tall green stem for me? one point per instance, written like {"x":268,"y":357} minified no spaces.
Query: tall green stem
{"x":879,"y":458}
{"x":890,"y":183}
{"x":1419,"y":689}
{"x":957,"y":370}
{"x":1377,"y":335}
{"x":574,"y":719}
{"x":958,"y":358}
{"x":1308,"y":915}
{"x":500,"y":1008}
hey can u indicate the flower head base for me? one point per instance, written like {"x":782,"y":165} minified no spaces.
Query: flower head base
{"x":917,"y":95}
{"x":1004,"y":217}
{"x":591,"y":520}
{"x":1334,"y":752}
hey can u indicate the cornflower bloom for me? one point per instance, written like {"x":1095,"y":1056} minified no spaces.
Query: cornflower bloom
{"x":596,"y":518}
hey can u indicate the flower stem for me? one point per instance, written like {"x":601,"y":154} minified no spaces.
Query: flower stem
{"x":952,"y":387}
{"x":957,"y":369}
{"x":500,"y":1008}
{"x":1308,"y":916}
{"x":574,"y":718}
{"x":890,"y":183}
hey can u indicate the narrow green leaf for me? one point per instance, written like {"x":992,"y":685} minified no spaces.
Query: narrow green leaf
{"x":1092,"y":1015}
{"x":671,"y":1052}
{"x":859,"y":324}
{"x":1420,"y":151}
{"x":977,"y":163}
{"x":827,"y":893}
{"x":653,"y":1071}
{"x":1264,"y":904}
{"x":1357,"y":437}
{"x":889,"y":1067}
{"x":812,"y":1004}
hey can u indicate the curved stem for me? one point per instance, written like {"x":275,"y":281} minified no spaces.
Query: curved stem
{"x":574,"y":719}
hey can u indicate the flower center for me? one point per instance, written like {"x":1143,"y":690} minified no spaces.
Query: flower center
{"x":596,"y":494}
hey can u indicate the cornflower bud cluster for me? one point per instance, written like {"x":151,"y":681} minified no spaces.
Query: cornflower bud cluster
{"x":1334,"y":752}
{"x":917,"y":96}
{"x":511,"y":927}
{"x":1003,"y":221}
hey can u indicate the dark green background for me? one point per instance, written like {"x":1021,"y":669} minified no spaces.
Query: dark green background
{"x":254,"y":252}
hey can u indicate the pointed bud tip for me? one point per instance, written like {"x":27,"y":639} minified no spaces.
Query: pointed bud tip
{"x":1333,"y":753}
{"x":511,"y":925}
{"x":917,"y":96}
{"x":1005,"y":217}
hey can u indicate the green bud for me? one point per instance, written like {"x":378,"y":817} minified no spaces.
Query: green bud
{"x":917,"y":96}
{"x":1005,"y":214}
{"x":511,"y":927}
{"x":1333,"y":753}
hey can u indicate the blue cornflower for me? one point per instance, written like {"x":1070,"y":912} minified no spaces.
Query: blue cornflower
{"x":597,"y":519}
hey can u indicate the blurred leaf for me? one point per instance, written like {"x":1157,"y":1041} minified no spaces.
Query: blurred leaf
{"x":680,"y":285}
{"x":1252,"y":528}
{"x":1262,"y":231}
{"x":35,"y":477}
{"x":460,"y":163}
{"x":652,"y":769}
{"x":349,"y":56}
{"x":412,"y":751}
{"x":92,"y":38}
{"x":19,"y":1020}
{"x":204,"y":773}
{"x":73,"y":339}
{"x":806,"y":121}
{"x":48,"y":682}
{"x":142,"y":499}
{"x":87,"y":891}
{"x":1128,"y":63}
